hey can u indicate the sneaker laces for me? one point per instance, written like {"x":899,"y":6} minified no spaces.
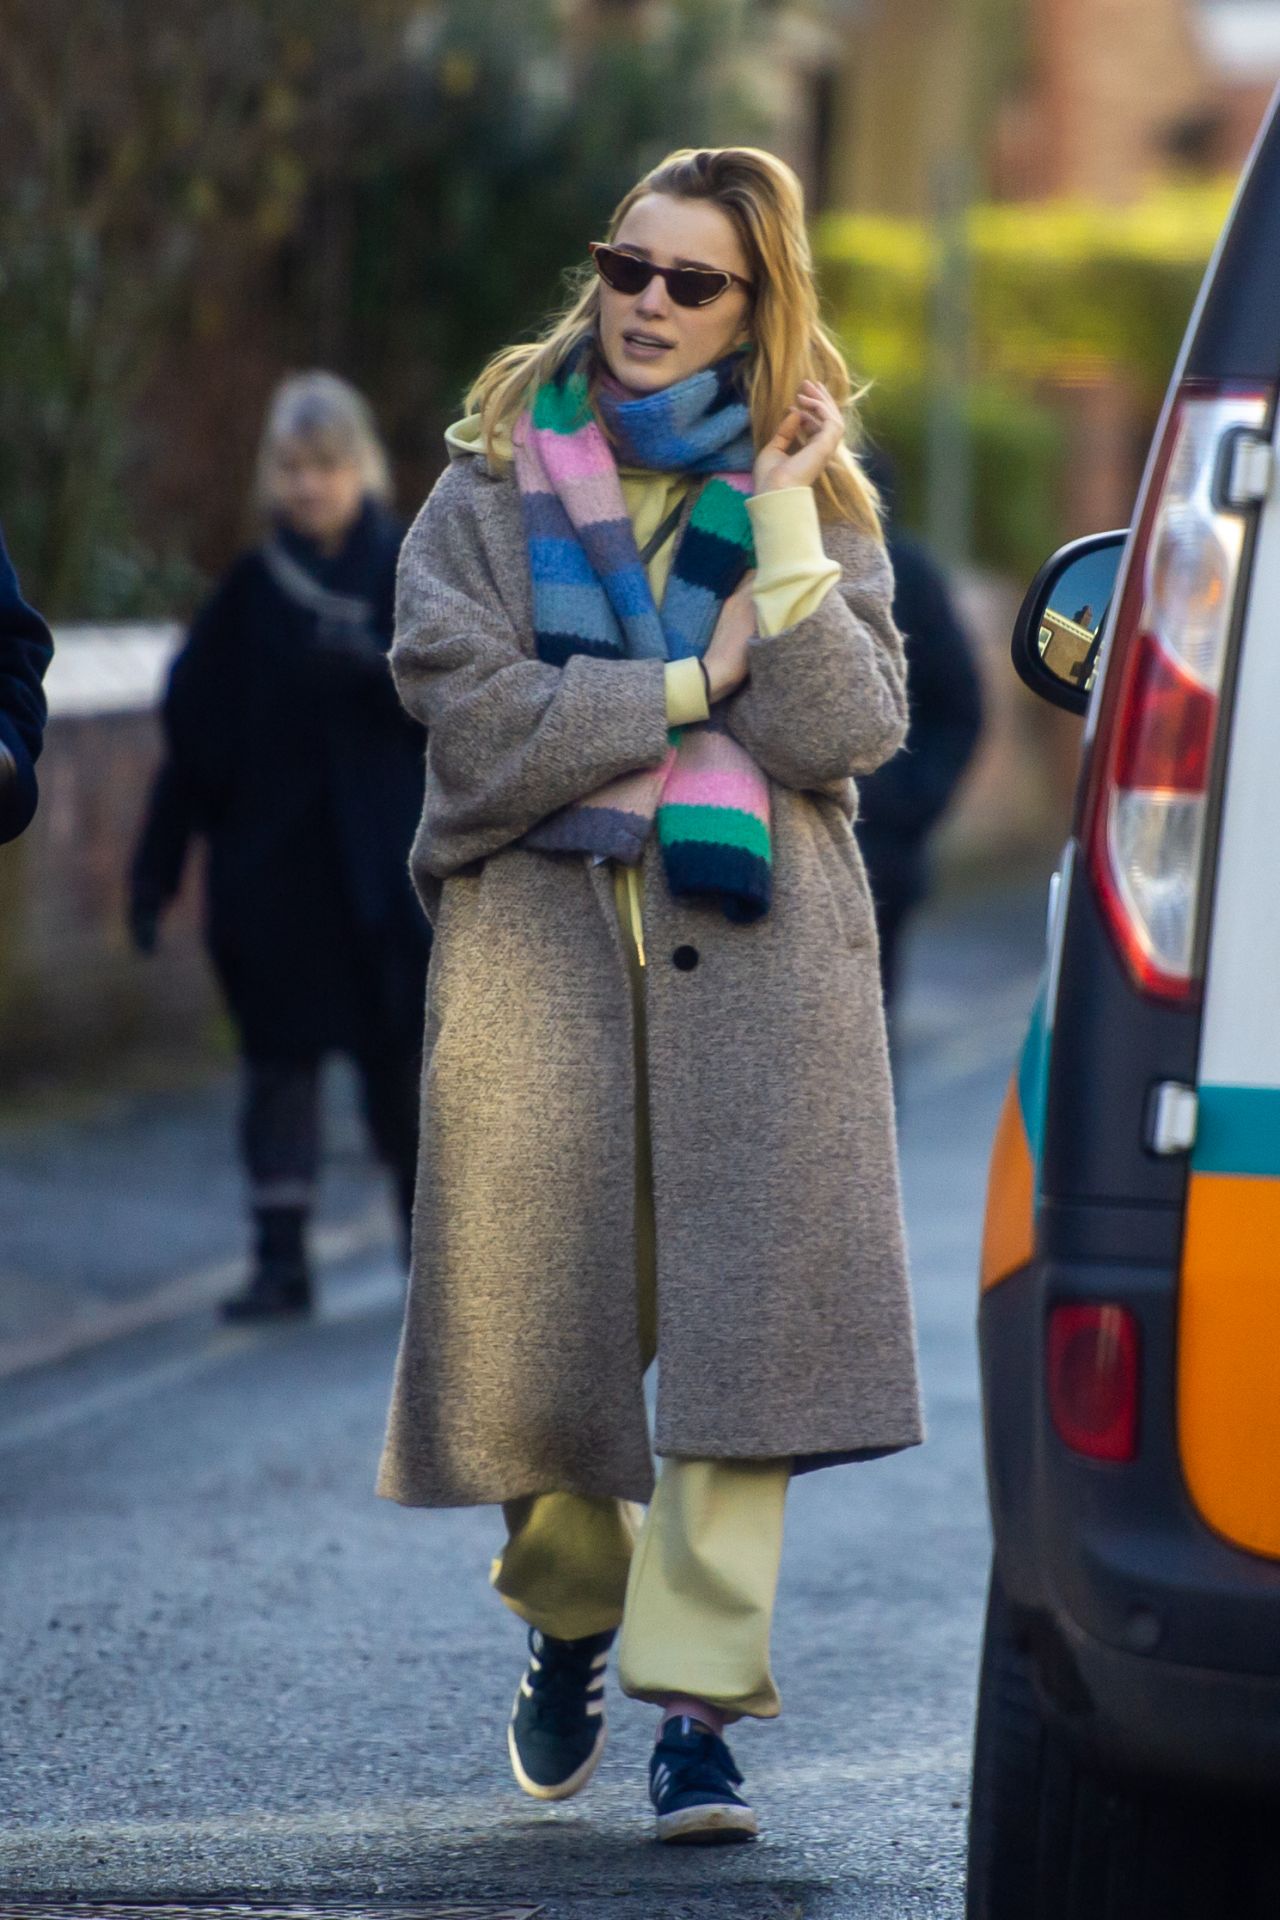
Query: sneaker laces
{"x":559,"y":1674}
{"x":705,"y":1767}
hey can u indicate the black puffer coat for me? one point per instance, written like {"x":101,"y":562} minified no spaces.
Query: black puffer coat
{"x":289,"y":751}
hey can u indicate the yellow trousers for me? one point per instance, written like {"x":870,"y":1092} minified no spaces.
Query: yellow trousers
{"x":691,"y":1581}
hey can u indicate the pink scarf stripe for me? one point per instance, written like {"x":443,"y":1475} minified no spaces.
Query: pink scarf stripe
{"x":739,"y":787}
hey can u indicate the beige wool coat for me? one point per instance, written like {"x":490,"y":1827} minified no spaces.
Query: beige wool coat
{"x":785,"y":1324}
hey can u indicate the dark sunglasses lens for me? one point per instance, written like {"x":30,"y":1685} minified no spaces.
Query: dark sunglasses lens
{"x":622,"y":271}
{"x":694,"y":286}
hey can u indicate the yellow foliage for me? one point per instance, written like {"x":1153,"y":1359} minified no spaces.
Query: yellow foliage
{"x":1059,"y":289}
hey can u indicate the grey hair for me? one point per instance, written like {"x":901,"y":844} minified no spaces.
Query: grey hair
{"x":325,"y":413}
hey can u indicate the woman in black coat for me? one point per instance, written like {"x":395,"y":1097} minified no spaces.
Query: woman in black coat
{"x":25,"y":650}
{"x":289,"y":752}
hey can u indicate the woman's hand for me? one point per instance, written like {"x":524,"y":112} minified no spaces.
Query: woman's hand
{"x":726,"y":659}
{"x":811,"y":433}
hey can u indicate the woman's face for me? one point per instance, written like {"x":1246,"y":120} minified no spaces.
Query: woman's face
{"x":318,"y":496}
{"x":648,"y":341}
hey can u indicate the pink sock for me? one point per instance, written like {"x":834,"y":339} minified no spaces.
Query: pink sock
{"x":681,"y":1706}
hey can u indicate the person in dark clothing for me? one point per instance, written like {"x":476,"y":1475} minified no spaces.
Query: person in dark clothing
{"x":25,"y":652}
{"x":901,"y":803}
{"x":289,"y":752}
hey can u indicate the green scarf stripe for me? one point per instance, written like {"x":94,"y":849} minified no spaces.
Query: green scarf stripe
{"x":725,"y":825}
{"x":562,"y":407}
{"x":722,"y":510}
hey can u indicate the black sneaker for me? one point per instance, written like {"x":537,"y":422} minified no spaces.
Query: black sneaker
{"x":691,"y":1784}
{"x":557,"y":1726}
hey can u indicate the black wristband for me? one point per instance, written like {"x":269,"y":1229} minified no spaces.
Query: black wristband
{"x":706,"y":681}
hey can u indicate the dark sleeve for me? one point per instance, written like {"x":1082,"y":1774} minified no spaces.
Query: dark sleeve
{"x":25,"y":651}
{"x":167,"y":830}
{"x":944,"y":696}
{"x":205,"y":699}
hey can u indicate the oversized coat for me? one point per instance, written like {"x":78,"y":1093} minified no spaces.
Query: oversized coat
{"x":785,"y":1324}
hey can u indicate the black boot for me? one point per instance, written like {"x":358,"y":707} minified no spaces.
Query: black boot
{"x":280,"y":1285}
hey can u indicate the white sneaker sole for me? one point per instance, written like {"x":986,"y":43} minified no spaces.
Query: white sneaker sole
{"x":566,"y":1789}
{"x":707,"y":1826}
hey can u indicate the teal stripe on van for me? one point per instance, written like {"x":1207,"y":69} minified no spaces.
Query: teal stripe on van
{"x":1033,"y":1077}
{"x":1238,"y":1131}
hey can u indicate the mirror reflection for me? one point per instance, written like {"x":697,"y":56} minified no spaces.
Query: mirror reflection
{"x":1070,"y":624}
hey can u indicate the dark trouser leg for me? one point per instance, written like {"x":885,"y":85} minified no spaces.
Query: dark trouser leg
{"x":390,"y":1087}
{"x":280,"y":1132}
{"x":280,"y":1145}
{"x":891,"y":918}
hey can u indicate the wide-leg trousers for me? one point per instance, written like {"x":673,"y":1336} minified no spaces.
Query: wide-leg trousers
{"x":691,"y":1580}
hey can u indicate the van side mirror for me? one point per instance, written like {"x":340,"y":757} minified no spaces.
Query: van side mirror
{"x":1058,"y":631}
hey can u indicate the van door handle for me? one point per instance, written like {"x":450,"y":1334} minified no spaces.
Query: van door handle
{"x":1172,"y":1112}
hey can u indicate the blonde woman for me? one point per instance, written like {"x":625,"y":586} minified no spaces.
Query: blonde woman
{"x":289,"y":752}
{"x":644,"y":616}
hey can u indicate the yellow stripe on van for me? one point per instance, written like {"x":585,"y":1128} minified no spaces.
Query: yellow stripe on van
{"x":1008,"y":1229}
{"x":1229,"y":1356}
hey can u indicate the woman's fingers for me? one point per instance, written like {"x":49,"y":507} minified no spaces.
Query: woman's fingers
{"x":808,"y":435}
{"x":786,"y":430}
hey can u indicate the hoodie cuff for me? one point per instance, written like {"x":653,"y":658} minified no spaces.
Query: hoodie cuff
{"x":793,"y":573}
{"x":686,"y":693}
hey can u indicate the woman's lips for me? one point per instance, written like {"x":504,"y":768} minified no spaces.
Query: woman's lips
{"x":640,"y":347}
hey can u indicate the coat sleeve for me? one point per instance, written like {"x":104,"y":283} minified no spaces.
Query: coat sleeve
{"x":510,"y":739}
{"x":25,"y":651}
{"x":204,"y":704}
{"x":827,"y":697}
{"x":164,"y":841}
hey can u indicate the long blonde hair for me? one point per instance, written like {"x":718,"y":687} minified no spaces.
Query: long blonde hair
{"x":763,"y":198}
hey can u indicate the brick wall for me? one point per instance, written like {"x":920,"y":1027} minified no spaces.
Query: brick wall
{"x":75,"y":1001}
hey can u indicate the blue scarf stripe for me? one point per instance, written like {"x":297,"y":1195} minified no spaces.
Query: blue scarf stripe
{"x":577,"y":609}
{"x":690,"y":613}
{"x":613,"y":545}
{"x":681,"y":427}
{"x":545,"y":518}
{"x":631,"y":599}
{"x":561,"y":562}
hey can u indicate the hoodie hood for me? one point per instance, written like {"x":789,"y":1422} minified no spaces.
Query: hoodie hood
{"x":465,"y":437}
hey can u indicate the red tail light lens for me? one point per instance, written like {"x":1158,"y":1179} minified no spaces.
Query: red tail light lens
{"x":1093,"y":1380}
{"x":1158,"y":716}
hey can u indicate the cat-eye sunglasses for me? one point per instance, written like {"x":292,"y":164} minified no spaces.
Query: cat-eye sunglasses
{"x":688,"y":286}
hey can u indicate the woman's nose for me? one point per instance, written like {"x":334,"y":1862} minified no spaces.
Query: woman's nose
{"x":654,"y":298}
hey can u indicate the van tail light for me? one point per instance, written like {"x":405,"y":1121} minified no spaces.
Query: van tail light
{"x":1093,"y":1380}
{"x":1160,"y":707}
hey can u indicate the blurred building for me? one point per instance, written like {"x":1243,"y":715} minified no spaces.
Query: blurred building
{"x":1042,"y":97}
{"x":1083,"y":125}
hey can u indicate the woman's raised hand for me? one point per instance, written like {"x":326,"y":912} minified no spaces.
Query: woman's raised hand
{"x":811,"y":432}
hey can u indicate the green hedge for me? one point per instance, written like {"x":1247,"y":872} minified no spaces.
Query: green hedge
{"x":1057,"y":292}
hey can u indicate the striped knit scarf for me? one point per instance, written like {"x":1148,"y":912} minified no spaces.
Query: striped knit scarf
{"x":591,"y":595}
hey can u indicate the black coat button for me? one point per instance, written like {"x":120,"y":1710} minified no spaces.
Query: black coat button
{"x":686,"y":958}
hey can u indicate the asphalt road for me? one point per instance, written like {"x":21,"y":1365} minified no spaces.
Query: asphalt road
{"x":231,"y":1671}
